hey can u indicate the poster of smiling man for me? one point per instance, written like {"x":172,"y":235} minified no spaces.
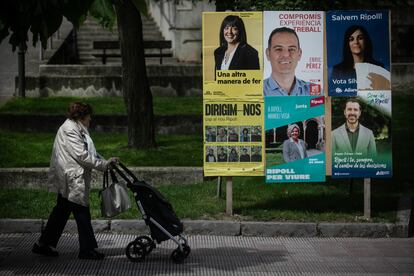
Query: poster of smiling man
{"x":353,"y":38}
{"x":293,"y":43}
{"x":361,"y":136}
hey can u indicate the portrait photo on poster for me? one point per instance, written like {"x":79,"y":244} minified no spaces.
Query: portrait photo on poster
{"x":355,"y":37}
{"x":222,"y":154}
{"x":233,"y":134}
{"x":245,"y":133}
{"x":361,"y":135}
{"x":211,"y":154}
{"x":256,"y":135}
{"x":295,"y":141}
{"x":293,"y":53}
{"x":221,"y":134}
{"x":210,"y":133}
{"x":256,"y":154}
{"x":234,"y":154}
{"x":230,"y":42}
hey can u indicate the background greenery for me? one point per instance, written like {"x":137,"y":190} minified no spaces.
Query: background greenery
{"x":35,"y":149}
{"x":334,"y":200}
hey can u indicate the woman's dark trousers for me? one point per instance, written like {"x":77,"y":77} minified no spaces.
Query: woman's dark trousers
{"x":57,"y":221}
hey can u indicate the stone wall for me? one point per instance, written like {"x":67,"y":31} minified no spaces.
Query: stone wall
{"x":402,"y":76}
{"x":180,"y":22}
{"x":101,"y":80}
{"x":166,"y":80}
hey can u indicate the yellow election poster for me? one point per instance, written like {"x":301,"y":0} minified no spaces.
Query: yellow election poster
{"x":233,"y":138}
{"x":232,"y":55}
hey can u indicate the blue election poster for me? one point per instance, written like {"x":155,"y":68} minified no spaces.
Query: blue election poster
{"x":295,"y":139}
{"x":355,"y":37}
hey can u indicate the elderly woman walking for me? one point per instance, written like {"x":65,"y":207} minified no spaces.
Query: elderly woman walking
{"x":73,"y":158}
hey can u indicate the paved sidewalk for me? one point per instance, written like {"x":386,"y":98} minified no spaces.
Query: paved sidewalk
{"x":217,"y":255}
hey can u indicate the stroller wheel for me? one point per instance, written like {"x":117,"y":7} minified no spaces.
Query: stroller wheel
{"x":186,"y":250}
{"x":135,"y":251}
{"x":147,"y":242}
{"x":179,"y":256}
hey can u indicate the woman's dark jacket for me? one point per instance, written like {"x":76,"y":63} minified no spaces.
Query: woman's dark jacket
{"x":245,"y":58}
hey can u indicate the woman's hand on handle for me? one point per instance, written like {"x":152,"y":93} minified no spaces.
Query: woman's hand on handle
{"x":113,"y":160}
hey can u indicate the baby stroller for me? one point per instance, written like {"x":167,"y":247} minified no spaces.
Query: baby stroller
{"x":159,"y":215}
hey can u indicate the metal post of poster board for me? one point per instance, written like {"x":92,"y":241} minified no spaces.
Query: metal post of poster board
{"x":218,"y":187}
{"x":367,"y":198}
{"x":229,"y":196}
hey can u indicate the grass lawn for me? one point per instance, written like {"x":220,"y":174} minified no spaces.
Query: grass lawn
{"x":274,"y":159}
{"x":252,"y":200}
{"x":35,"y":149}
{"x":102,"y":105}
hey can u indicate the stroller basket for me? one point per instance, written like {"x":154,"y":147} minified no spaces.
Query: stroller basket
{"x":158,"y":208}
{"x":158,"y":214}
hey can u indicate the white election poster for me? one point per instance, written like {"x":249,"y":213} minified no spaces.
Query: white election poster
{"x":309,"y":27}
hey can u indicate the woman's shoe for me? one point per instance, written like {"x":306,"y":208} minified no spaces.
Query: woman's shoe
{"x":91,"y":255}
{"x":44,"y":250}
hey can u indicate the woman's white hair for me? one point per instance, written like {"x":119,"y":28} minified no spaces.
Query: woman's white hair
{"x":290,"y":129}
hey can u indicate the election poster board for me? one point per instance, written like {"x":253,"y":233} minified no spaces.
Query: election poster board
{"x":232,"y":94}
{"x":238,"y":73}
{"x":359,"y":80}
{"x":369,"y":154}
{"x":307,"y":62}
{"x":233,"y":138}
{"x":250,"y":131}
{"x":293,"y":43}
{"x":288,"y":160}
{"x":355,"y":37}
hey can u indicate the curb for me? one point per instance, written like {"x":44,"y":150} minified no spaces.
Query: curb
{"x":403,"y":227}
{"x":227,"y":228}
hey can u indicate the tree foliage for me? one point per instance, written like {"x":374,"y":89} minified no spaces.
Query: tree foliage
{"x":261,"y":5}
{"x":104,"y":11}
{"x":44,"y":17}
{"x":41,"y":17}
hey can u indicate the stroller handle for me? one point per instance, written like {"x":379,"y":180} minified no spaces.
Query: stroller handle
{"x":122,"y":174}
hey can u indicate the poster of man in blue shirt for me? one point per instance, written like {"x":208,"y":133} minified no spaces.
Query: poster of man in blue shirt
{"x":292,"y":68}
{"x":283,"y":53}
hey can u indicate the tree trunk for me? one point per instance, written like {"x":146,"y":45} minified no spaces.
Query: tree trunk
{"x":135,"y":85}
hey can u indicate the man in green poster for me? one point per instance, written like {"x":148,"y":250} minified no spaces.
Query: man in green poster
{"x":352,"y":137}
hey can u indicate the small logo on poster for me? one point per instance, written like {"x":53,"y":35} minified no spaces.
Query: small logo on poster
{"x":315,"y":89}
{"x":317,"y":101}
{"x":338,"y":90}
{"x":382,"y":173}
